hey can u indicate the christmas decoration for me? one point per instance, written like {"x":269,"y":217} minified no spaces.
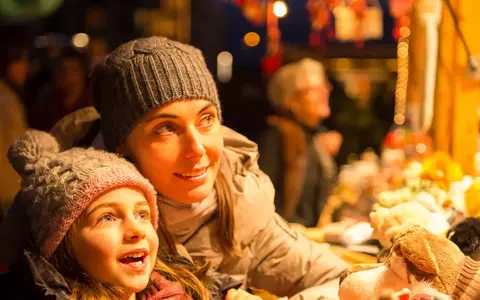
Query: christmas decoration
{"x":273,"y":58}
{"x":27,"y":10}
{"x":320,"y":17}
{"x":358,"y":20}
{"x":400,"y":11}
{"x":253,"y":10}
{"x":319,"y":12}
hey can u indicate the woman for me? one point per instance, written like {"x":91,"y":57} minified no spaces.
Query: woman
{"x":93,"y":218}
{"x":159,"y":107}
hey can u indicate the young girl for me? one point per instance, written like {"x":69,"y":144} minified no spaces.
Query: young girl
{"x":159,"y":107}
{"x":94,"y":218}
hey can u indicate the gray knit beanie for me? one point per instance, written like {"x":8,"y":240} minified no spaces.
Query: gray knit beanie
{"x":58,"y":186}
{"x":144,"y":74}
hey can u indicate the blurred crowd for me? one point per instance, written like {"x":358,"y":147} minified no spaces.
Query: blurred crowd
{"x":35,"y":93}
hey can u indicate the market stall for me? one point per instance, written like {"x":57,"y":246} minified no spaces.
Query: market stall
{"x":411,"y":213}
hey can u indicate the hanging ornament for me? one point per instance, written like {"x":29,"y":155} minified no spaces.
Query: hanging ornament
{"x":253,"y":10}
{"x":358,"y":8}
{"x":345,"y":22}
{"x":358,"y":20}
{"x":320,"y":18}
{"x":372,"y":21}
{"x":270,"y":64}
{"x":319,"y":13}
{"x":400,"y":8}
{"x":273,"y":58}
{"x":332,"y":3}
{"x":400,"y":11}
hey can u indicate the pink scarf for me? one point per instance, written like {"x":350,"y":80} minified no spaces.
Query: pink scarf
{"x":163,"y":289}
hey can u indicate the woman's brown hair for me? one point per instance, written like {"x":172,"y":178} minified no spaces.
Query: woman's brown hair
{"x":226,"y":220}
{"x":169,"y":264}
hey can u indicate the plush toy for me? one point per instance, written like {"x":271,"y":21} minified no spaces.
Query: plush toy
{"x":457,"y":192}
{"x":416,"y":258}
{"x":472,"y":199}
{"x":466,"y":235}
{"x":412,"y":170}
{"x":413,"y":188}
{"x":388,"y":222}
{"x":441,"y":169}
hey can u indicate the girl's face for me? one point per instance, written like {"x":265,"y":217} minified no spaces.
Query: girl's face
{"x":178,"y":147}
{"x":115,"y":242}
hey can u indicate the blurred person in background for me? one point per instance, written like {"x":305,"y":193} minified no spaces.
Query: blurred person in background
{"x":67,"y":93}
{"x":295,"y":151}
{"x":13,"y":74}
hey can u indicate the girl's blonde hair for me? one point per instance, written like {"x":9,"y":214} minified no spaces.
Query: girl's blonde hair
{"x":169,"y":264}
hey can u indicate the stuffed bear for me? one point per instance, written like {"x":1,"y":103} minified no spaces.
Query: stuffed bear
{"x":416,"y":257}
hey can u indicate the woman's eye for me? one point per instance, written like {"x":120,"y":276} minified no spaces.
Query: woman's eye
{"x":164,"y":129}
{"x":107,"y":218}
{"x":144,"y":215}
{"x":207,"y":121}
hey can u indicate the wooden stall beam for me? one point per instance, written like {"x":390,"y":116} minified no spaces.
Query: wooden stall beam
{"x":455,"y":128}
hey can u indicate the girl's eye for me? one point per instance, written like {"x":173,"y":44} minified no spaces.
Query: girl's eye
{"x":164,"y":129}
{"x":107,"y":218}
{"x":144,"y":215}
{"x":206,"y":121}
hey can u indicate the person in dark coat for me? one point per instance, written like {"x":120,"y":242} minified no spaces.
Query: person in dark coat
{"x":296,"y":151}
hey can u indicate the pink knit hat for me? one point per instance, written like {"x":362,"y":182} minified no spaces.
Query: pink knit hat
{"x":58,"y":186}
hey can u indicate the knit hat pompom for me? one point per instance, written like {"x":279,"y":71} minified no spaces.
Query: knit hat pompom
{"x":29,"y":148}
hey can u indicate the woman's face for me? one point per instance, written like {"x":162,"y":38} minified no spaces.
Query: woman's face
{"x":178,"y":147}
{"x":115,"y":242}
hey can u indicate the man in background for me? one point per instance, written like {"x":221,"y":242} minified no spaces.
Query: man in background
{"x":296,"y":152}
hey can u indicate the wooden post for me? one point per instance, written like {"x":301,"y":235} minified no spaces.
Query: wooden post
{"x":415,"y":74}
{"x":455,"y":128}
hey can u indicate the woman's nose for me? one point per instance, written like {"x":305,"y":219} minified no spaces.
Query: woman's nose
{"x":193,"y":144}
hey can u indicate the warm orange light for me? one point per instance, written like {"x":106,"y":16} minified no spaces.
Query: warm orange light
{"x":251,"y":39}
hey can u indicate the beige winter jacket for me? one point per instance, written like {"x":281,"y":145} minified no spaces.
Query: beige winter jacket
{"x":274,"y":257}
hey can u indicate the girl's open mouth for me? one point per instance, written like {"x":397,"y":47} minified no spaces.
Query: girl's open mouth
{"x":135,"y":260}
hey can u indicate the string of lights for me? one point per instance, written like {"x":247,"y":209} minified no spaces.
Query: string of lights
{"x":402,"y":76}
